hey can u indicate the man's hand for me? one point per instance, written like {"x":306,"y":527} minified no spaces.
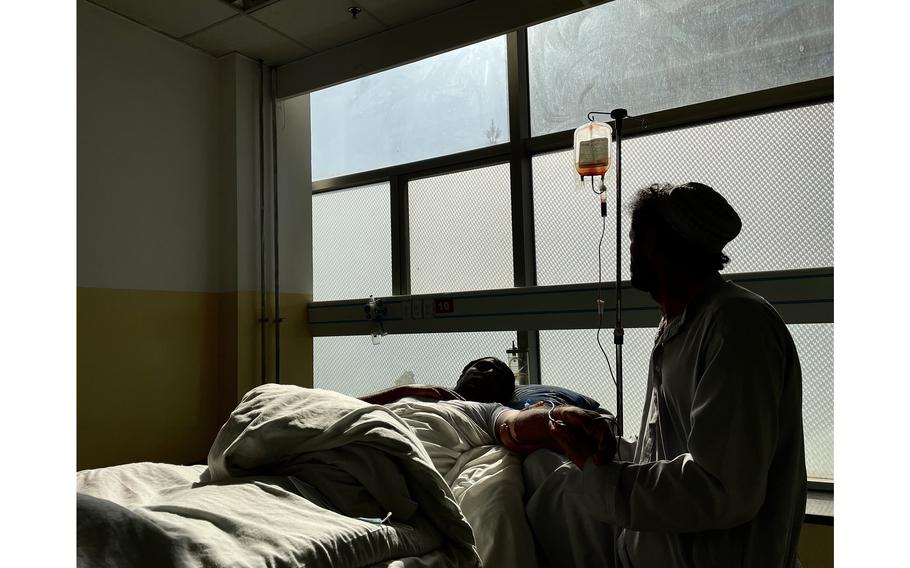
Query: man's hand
{"x":583,"y":434}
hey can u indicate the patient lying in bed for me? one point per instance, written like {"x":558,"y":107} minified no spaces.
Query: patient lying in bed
{"x":488,"y":380}
{"x":303,"y":477}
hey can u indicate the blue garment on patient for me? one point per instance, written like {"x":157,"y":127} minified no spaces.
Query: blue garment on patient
{"x":557,"y":395}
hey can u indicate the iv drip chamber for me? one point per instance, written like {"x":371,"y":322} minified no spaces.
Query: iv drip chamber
{"x":592,"y":149}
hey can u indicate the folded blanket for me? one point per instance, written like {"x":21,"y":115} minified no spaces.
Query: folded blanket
{"x":362,"y":457}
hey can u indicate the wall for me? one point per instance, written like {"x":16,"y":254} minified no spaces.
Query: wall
{"x":168,"y":250}
{"x":148,"y":237}
{"x":295,"y":238}
{"x":816,"y":546}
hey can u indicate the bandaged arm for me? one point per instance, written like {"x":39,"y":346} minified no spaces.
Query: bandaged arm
{"x":720,"y":483}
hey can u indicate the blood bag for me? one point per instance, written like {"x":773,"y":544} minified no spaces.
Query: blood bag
{"x":592,"y":149}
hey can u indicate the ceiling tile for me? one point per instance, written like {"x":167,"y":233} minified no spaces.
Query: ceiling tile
{"x":318,"y":24}
{"x":176,"y":18}
{"x":247,"y":36}
{"x":398,"y":12}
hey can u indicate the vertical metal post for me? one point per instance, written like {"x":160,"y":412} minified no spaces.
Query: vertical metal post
{"x":263,"y":319}
{"x":278,"y":319}
{"x":524,"y":263}
{"x":618,"y":115}
{"x":401,"y":240}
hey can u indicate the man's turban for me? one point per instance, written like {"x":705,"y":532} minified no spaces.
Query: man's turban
{"x":700,"y":215}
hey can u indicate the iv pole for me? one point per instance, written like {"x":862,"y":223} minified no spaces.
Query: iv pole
{"x":618,"y":115}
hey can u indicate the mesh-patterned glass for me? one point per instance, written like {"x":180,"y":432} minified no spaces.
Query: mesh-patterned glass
{"x":441,"y":105}
{"x":651,"y":55}
{"x":461,"y":231}
{"x":352,"y":243}
{"x":777,"y":170}
{"x":571,"y":359}
{"x":815,"y":345}
{"x":354,"y":366}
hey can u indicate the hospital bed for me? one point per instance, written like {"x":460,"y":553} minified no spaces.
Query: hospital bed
{"x":308,"y":477}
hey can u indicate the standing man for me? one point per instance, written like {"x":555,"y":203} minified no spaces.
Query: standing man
{"x":717,"y":476}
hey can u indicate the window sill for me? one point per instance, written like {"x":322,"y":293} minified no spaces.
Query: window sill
{"x":820,"y":508}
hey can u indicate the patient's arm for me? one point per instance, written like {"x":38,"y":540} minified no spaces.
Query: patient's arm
{"x":535,"y":428}
{"x":525,"y":431}
{"x":417,"y":391}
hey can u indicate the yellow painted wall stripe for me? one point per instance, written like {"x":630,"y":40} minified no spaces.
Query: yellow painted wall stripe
{"x":159,"y":372}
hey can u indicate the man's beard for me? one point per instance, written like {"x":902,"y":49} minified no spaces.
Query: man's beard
{"x":644,"y":277}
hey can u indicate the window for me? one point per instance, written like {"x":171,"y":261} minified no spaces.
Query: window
{"x":354,"y":366}
{"x":776,"y":169}
{"x":652,"y":55}
{"x":352,"y":250}
{"x":449,"y":103}
{"x":447,"y":228}
{"x":461,"y":231}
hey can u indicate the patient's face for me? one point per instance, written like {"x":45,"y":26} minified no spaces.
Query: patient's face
{"x":480,"y":381}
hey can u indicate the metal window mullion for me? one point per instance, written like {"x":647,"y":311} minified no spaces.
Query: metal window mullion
{"x":467,"y":160}
{"x":529,"y":340}
{"x":401,"y":241}
{"x":523,"y":253}
{"x":756,"y":103}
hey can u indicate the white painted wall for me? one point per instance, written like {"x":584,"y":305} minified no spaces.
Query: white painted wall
{"x":295,"y":223}
{"x":239,"y":79}
{"x":148,"y":158}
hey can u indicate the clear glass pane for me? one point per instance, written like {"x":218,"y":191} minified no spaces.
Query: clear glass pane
{"x":461,"y":231}
{"x":571,"y":359}
{"x":354,"y":366}
{"x":652,"y":55}
{"x":445,"y":104}
{"x":777,"y":170}
{"x":352,"y":243}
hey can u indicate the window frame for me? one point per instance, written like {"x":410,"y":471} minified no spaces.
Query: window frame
{"x":518,"y":153}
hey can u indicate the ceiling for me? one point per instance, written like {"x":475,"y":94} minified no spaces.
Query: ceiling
{"x":276,"y":31}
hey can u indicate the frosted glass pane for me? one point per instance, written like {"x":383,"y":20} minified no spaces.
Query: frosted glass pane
{"x":777,"y":170}
{"x":352,"y":243}
{"x":815,"y":345}
{"x":354,"y":366}
{"x":651,"y":55}
{"x":441,"y":105}
{"x":461,"y":231}
{"x":571,"y":359}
